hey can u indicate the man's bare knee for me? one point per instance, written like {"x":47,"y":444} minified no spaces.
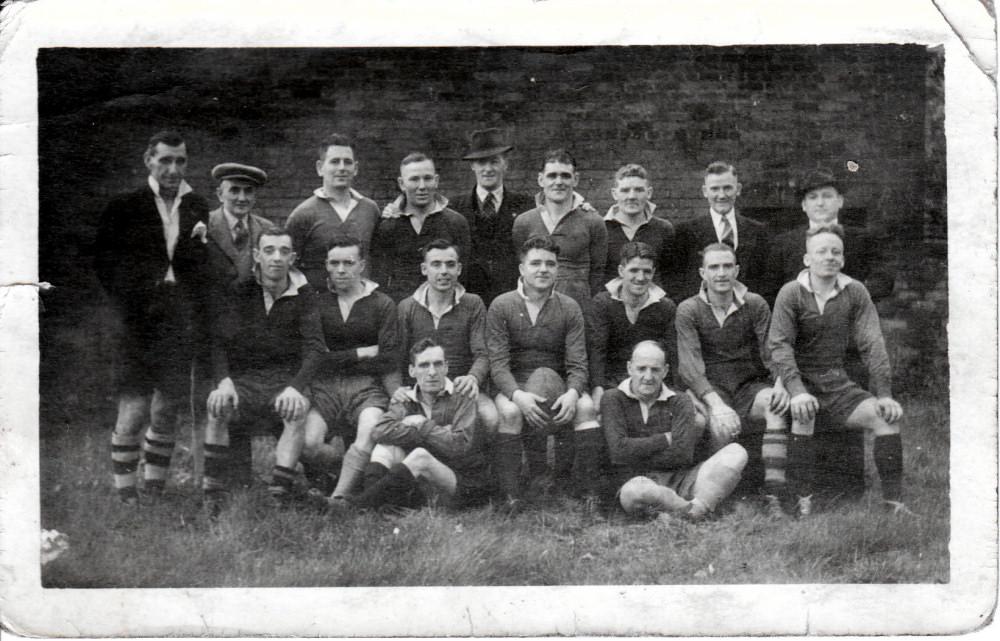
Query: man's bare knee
{"x":418,"y":460}
{"x":638,"y":493}
{"x":511,"y":419}
{"x":761,"y":403}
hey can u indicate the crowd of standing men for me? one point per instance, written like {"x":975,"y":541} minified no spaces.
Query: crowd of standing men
{"x":495,"y":347}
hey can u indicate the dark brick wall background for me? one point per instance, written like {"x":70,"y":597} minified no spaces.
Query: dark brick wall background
{"x":772,"y":111}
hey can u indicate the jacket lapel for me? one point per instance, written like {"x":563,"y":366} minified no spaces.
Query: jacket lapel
{"x":218,"y":231}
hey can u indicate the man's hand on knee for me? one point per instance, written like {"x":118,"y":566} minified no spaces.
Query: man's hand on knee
{"x":291,"y":405}
{"x":565,"y":407}
{"x":804,"y":407}
{"x":780,"y":399}
{"x":723,"y":422}
{"x":528,"y":404}
{"x":223,"y":397}
{"x":889,"y":409}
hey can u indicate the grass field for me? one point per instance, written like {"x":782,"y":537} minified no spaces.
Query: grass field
{"x":175,"y":544}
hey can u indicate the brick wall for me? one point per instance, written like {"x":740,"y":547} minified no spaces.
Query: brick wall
{"x":772,"y":111}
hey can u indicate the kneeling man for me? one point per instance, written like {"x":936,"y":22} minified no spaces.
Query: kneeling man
{"x":816,"y":318}
{"x":652,"y":434}
{"x":428,"y":444}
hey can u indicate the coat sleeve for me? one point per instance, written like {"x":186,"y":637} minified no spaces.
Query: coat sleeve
{"x":690,"y":364}
{"x":598,"y":253}
{"x":781,"y":339}
{"x":454,"y":438}
{"x":390,"y":430}
{"x":867,"y":333}
{"x":477,"y":342}
{"x":684,"y":433}
{"x":313,"y":343}
{"x":597,"y":333}
{"x":575,"y":348}
{"x":498,"y":343}
{"x":761,"y":317}
{"x":623,"y":448}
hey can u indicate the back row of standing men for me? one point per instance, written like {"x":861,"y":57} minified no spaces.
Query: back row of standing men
{"x":184,"y":278}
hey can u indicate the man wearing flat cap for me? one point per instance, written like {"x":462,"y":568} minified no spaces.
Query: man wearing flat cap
{"x":233,"y":231}
{"x":490,"y":207}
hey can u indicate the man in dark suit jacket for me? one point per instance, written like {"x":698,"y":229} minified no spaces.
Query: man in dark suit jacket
{"x":149,"y":258}
{"x":720,"y":224}
{"x":233,"y":232}
{"x":822,"y":199}
{"x":490,"y":209}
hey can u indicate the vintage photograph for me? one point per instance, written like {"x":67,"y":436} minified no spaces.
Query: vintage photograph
{"x":412,"y":189}
{"x":501,"y":321}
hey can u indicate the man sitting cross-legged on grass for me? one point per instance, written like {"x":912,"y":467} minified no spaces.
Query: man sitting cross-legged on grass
{"x":441,"y":309}
{"x":816,"y":317}
{"x":725,"y":363}
{"x":428,"y":444}
{"x":537,"y":329}
{"x":349,"y":394}
{"x":652,"y":434}
{"x":266,"y":346}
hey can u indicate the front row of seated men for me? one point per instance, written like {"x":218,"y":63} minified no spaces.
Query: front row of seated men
{"x":328,"y":362}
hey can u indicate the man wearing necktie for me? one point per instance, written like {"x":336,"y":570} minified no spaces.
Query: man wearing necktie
{"x":490,"y":207}
{"x":721,"y":224}
{"x":149,"y":257}
{"x":233,"y":232}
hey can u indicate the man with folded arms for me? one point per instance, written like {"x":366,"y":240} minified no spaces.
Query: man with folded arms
{"x":652,"y":434}
{"x":428,"y":443}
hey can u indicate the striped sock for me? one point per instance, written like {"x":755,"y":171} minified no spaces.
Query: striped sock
{"x":158,"y":449}
{"x":216,"y":462}
{"x":125,"y":461}
{"x":282,"y":481}
{"x":774,"y":452}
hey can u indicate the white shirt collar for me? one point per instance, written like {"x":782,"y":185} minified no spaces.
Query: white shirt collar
{"x":803,"y":279}
{"x":182,"y":189}
{"x":296,"y":281}
{"x":520,"y":291}
{"x":481,"y":194}
{"x":232,"y":220}
{"x":319,"y":193}
{"x":656,"y":293}
{"x":615,"y":213}
{"x":739,"y":293}
{"x":368,"y":286}
{"x":813,"y":225}
{"x":578,"y":200}
{"x":413,"y":393}
{"x":420,"y":295}
{"x":665,"y":392}
{"x":399,"y":206}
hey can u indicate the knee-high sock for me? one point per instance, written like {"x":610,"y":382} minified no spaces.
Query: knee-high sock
{"x":888,"y":451}
{"x":351,"y":470}
{"x":398,"y":487}
{"x":588,"y":470}
{"x":564,"y":455}
{"x":801,"y":463}
{"x":240,"y":469}
{"x":536,"y":445}
{"x":774,"y":452}
{"x":319,"y":463}
{"x":508,"y":452}
{"x":282,"y":480}
{"x":159,"y":448}
{"x":125,"y":460}
{"x":720,"y":475}
{"x":216,"y":465}
{"x":373,"y":473}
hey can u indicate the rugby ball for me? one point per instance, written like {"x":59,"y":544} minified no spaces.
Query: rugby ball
{"x":546,"y":383}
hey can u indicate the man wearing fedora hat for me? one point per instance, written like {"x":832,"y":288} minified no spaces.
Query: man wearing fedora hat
{"x":841,"y":454}
{"x":490,"y":207}
{"x":822,"y":196}
{"x":233,"y":231}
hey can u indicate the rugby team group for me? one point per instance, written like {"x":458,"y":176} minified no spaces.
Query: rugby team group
{"x":494,"y":348}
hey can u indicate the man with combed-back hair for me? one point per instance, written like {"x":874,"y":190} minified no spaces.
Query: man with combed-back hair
{"x":149,"y":258}
{"x":652,"y":437}
{"x":538,"y":331}
{"x":334,"y":209}
{"x":816,"y":317}
{"x":418,"y":216}
{"x":631,"y":219}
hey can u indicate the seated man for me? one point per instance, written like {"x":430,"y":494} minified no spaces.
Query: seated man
{"x":349,"y":393}
{"x":537,"y":328}
{"x":441,"y":309}
{"x":651,"y":435}
{"x":428,"y":441}
{"x":631,"y":309}
{"x":725,"y":363}
{"x":266,"y":346}
{"x":816,"y":317}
